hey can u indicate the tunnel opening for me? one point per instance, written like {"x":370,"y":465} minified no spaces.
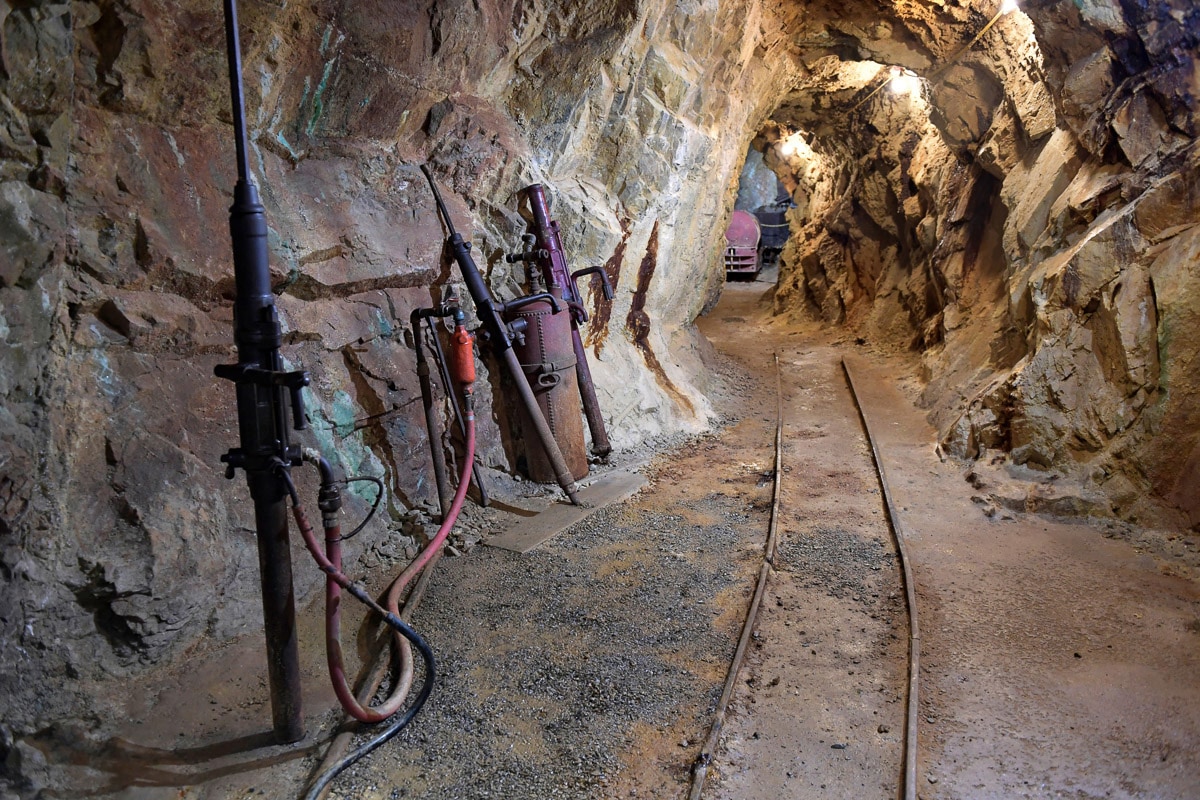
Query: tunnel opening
{"x":762,"y":195}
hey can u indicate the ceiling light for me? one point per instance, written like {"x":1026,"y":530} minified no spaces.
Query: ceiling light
{"x":794,"y":144}
{"x":904,"y":81}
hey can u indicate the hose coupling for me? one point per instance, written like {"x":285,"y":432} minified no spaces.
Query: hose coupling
{"x":329,"y":498}
{"x":462,"y":351}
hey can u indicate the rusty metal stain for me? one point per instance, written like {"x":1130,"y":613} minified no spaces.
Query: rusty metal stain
{"x":638,"y":321}
{"x":597,"y":332}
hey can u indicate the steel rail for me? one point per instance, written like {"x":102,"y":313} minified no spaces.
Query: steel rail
{"x":910,"y":599}
{"x":704,"y":758}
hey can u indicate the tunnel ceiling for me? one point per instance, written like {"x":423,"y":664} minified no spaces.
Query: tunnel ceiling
{"x":842,"y":47}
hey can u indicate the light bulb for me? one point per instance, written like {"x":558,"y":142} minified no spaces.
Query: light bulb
{"x":904,"y":81}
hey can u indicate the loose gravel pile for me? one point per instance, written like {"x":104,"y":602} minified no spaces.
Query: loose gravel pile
{"x":843,"y":563}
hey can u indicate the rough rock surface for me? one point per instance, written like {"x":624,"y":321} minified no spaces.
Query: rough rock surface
{"x":1027,"y":221}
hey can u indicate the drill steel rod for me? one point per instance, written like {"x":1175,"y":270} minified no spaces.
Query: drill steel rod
{"x":587,"y":393}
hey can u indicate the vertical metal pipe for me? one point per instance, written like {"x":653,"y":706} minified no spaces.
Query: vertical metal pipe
{"x":262,"y":404}
{"x":432,"y":428}
{"x":279,"y":618}
{"x":587,"y":393}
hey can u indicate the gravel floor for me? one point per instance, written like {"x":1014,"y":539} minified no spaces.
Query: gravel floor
{"x":555,"y":662}
{"x":844,"y":563}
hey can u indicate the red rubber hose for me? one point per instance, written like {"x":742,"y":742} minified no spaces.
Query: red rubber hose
{"x":462,"y":358}
{"x":333,"y":648}
{"x":331,"y":563}
{"x":462,"y":352}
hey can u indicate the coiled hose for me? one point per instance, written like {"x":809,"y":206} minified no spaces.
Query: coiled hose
{"x":330,"y":563}
{"x":335,"y":576}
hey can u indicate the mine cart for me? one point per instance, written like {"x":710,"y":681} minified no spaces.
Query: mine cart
{"x":772,"y":219}
{"x":741,"y":245}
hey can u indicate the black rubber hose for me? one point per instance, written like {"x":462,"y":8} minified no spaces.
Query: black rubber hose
{"x":374,"y":506}
{"x":323,"y":781}
{"x":394,"y":621}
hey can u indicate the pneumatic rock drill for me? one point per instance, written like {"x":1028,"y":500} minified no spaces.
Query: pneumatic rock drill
{"x":501,"y":336}
{"x":266,"y":393}
{"x":547,"y":251}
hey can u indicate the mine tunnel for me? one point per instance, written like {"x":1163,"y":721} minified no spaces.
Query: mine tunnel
{"x":391,"y":410}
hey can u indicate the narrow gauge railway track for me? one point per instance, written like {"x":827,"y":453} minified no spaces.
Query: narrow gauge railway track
{"x":896,"y":524}
{"x":704,"y":759}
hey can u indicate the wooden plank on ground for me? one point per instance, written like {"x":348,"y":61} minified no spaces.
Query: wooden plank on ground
{"x":526,"y":534}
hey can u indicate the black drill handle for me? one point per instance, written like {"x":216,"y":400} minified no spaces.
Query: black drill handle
{"x":493,"y":325}
{"x":530,"y":253}
{"x":608,"y":291}
{"x":444,"y":310}
{"x":299,"y":418}
{"x":254,"y":375}
{"x":540,"y":297}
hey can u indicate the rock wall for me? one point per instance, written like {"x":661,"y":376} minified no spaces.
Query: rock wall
{"x":1027,"y":222}
{"x":121,"y":545}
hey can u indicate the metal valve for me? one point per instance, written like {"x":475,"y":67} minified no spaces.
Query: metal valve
{"x":530,"y":253}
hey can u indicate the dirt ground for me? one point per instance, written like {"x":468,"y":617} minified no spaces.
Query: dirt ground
{"x":1058,"y":660}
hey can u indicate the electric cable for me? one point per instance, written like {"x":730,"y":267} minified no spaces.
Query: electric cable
{"x":953,"y":59}
{"x":325,"y":778}
{"x":375,"y":676}
{"x":940,"y":70}
{"x":319,"y":786}
{"x":374,"y":506}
